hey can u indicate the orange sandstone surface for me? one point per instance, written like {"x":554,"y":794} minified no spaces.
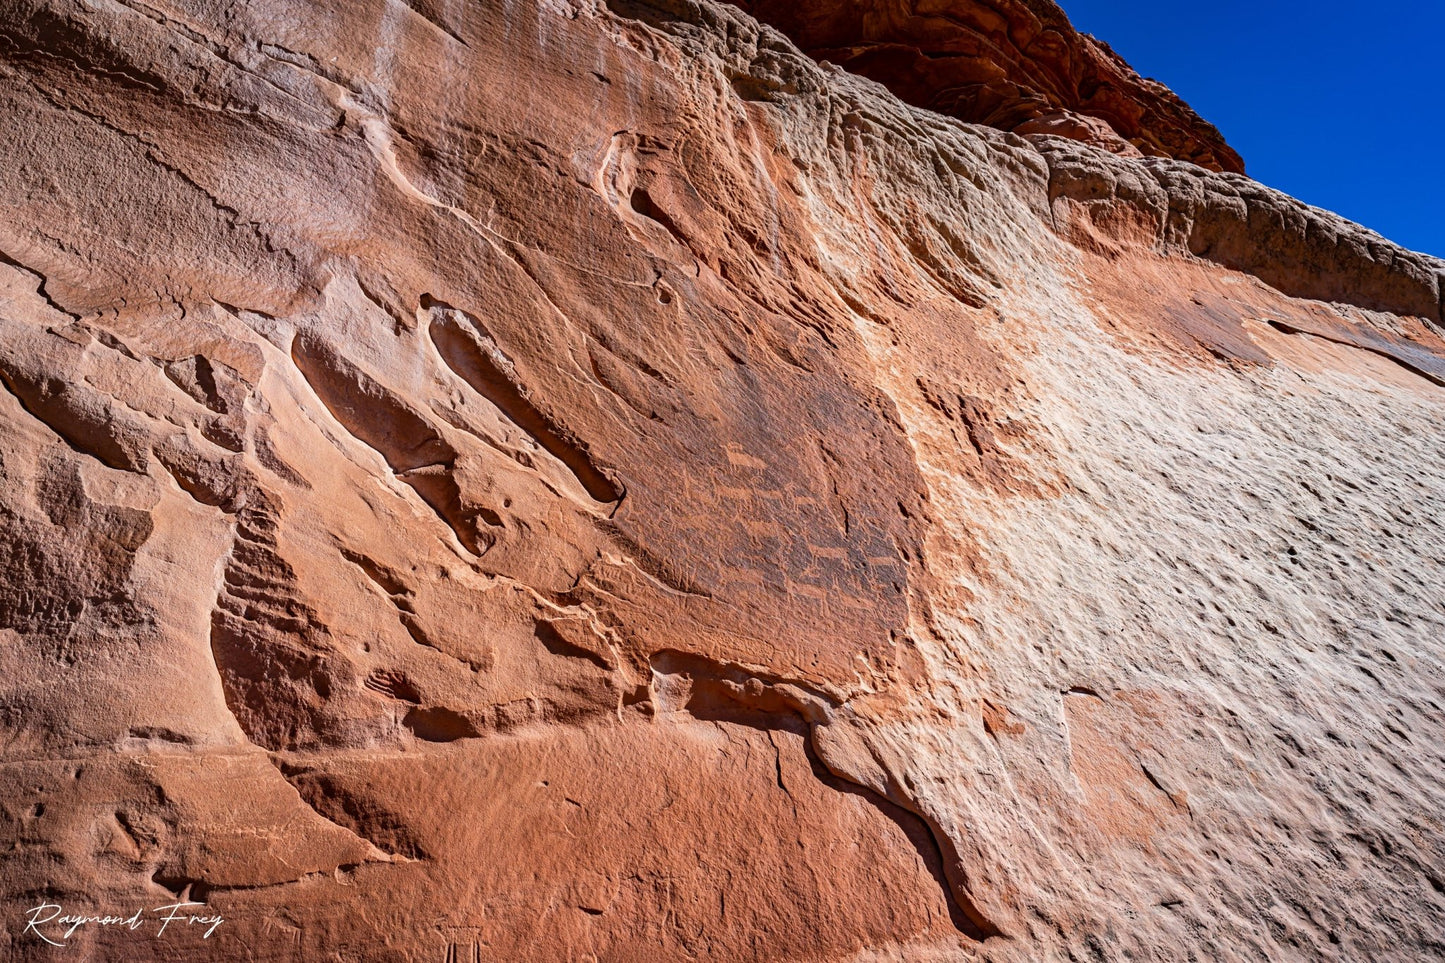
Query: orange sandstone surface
{"x":575,"y":480}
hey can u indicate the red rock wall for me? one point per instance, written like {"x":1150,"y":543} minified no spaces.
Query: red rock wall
{"x":1017,"y":65}
{"x":553,"y":480}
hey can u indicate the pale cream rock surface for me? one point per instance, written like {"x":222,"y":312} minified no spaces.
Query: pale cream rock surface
{"x":557,"y":480}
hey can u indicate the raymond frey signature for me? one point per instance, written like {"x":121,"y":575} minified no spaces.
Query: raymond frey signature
{"x":51,"y":923}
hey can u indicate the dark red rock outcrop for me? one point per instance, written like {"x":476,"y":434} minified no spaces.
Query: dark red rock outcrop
{"x":551,"y":479}
{"x":1017,"y":65}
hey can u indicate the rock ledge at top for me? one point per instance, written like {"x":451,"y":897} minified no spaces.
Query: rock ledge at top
{"x":574,"y":480}
{"x":1018,"y":65}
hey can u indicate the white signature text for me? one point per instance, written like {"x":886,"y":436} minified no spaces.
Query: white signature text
{"x":51,"y":923}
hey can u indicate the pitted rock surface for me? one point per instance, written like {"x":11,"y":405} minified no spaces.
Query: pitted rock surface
{"x":552,"y":479}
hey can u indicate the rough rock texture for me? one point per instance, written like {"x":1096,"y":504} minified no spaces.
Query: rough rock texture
{"x":550,"y":480}
{"x":1017,"y":65}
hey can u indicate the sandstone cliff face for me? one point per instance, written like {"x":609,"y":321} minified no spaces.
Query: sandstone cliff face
{"x":558,"y":480}
{"x":1014,"y":64}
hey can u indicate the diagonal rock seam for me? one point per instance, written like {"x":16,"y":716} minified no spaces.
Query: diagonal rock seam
{"x":719,"y":691}
{"x":1428,"y":366}
{"x":473,"y":354}
{"x":289,"y":679}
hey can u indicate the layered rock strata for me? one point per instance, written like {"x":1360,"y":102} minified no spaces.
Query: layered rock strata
{"x":551,"y":480}
{"x":1018,"y":65}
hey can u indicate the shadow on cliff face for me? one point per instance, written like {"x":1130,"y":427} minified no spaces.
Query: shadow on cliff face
{"x":970,"y":922}
{"x":713,"y":694}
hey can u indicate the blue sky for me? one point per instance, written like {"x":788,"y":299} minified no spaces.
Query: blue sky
{"x":1340,"y":105}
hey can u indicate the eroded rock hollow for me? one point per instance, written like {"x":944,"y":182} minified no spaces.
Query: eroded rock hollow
{"x":555,"y":479}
